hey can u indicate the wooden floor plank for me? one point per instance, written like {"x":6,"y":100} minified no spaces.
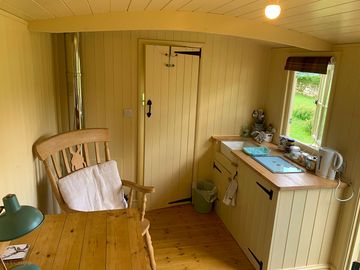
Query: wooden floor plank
{"x":184,"y":239}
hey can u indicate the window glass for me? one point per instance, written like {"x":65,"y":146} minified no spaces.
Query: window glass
{"x":308,"y":108}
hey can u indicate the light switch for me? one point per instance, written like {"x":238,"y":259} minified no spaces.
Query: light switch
{"x":128,"y":113}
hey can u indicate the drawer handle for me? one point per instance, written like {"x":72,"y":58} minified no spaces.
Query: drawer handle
{"x":216,"y":167}
{"x":256,"y":259}
{"x":267,"y":191}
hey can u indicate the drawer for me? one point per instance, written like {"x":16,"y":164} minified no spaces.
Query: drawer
{"x":230,"y":166}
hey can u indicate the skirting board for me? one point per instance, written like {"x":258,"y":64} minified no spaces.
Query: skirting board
{"x":312,"y":267}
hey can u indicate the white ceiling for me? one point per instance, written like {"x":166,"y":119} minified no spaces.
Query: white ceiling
{"x":334,"y":21}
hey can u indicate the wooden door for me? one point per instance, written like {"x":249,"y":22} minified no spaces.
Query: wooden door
{"x":171,"y":83}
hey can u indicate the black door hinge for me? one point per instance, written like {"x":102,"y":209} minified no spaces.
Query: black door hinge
{"x":194,"y":53}
{"x":181,"y":200}
{"x":260,"y":263}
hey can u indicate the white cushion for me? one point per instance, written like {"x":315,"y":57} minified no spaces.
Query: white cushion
{"x":94,"y":188}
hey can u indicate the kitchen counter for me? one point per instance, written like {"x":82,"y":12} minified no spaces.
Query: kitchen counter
{"x":290,"y":181}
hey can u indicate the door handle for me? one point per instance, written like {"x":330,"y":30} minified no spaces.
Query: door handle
{"x":269,"y":192}
{"x":149,"y":103}
{"x":217,"y":168}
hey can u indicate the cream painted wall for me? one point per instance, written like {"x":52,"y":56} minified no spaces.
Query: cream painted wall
{"x":178,"y":21}
{"x":343,"y":126}
{"x":232,"y":78}
{"x":27,"y":109}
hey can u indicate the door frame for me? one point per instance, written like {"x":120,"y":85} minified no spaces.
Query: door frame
{"x":141,"y":100}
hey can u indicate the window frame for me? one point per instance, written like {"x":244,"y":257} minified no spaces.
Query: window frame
{"x":289,"y":93}
{"x":325,"y":96}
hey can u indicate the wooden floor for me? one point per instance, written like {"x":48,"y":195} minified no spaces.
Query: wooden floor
{"x":184,"y":239}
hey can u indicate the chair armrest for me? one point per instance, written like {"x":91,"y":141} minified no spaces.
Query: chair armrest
{"x":137,"y":187}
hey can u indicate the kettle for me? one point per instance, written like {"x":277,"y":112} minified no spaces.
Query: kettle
{"x":328,"y":163}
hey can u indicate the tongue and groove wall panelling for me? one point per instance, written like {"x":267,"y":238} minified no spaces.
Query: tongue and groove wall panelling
{"x":231,"y":80}
{"x":345,"y":115}
{"x":233,"y":74}
{"x":27,"y":109}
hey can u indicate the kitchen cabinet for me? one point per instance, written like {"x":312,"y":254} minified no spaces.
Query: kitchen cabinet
{"x":277,"y":228}
{"x":257,"y":204}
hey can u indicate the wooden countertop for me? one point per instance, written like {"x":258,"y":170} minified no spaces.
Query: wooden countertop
{"x":290,"y":181}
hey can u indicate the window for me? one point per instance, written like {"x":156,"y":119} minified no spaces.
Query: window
{"x":308,"y":101}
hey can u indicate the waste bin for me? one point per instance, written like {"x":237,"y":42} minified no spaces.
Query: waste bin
{"x":204,"y":194}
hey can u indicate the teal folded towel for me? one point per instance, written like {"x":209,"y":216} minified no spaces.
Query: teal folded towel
{"x":256,"y":151}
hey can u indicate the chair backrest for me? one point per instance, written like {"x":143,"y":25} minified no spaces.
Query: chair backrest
{"x":65,"y":153}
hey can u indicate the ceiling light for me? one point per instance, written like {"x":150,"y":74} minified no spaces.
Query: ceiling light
{"x":272,"y":11}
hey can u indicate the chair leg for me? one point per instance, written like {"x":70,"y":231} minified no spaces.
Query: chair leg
{"x":150,"y":250}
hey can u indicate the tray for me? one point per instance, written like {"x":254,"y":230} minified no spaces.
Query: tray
{"x":256,"y":151}
{"x":277,"y":164}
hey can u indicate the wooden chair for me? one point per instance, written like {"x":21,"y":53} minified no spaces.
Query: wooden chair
{"x":65,"y":153}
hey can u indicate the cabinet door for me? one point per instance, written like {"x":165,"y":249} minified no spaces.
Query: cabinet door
{"x":262,"y":221}
{"x":258,"y":212}
{"x":240,"y":211}
{"x":221,"y":177}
